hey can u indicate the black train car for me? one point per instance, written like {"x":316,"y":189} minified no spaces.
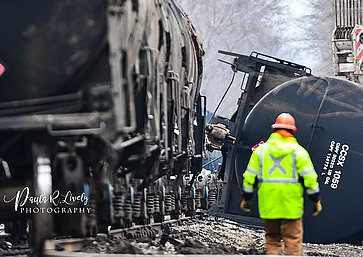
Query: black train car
{"x":328,"y":114}
{"x":100,"y":111}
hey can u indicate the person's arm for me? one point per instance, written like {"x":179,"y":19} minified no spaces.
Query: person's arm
{"x":249,"y":180}
{"x":250,"y":175}
{"x":309,"y":177}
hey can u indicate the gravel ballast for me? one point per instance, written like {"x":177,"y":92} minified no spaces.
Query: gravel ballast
{"x":209,"y":235}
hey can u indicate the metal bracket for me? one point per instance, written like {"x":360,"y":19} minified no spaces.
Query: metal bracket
{"x":76,"y":131}
{"x":122,"y":89}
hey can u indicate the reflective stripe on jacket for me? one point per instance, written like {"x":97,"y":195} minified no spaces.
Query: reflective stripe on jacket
{"x":277,"y":165}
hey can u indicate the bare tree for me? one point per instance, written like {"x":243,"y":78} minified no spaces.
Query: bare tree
{"x":315,"y":35}
{"x":240,"y":26}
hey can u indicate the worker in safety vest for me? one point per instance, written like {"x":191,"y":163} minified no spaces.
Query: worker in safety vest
{"x":281,"y":169}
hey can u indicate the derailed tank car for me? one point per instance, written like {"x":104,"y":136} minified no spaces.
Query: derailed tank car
{"x":328,"y":113}
{"x":100,"y":115}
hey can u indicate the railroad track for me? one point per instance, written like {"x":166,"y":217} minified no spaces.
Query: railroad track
{"x":75,"y":246}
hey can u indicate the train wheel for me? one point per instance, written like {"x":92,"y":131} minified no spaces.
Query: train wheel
{"x":41,"y":225}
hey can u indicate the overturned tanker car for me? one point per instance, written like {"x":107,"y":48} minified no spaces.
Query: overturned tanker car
{"x":328,"y":113}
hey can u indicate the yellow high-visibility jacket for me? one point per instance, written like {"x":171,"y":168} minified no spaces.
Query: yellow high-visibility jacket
{"x":278,"y":165}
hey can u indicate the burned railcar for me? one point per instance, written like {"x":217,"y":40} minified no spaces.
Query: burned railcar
{"x":99,"y":109}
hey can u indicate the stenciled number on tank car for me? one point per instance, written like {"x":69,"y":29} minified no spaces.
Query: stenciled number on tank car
{"x":334,"y":162}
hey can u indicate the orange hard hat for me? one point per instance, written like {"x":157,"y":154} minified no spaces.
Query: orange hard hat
{"x":284,"y":121}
